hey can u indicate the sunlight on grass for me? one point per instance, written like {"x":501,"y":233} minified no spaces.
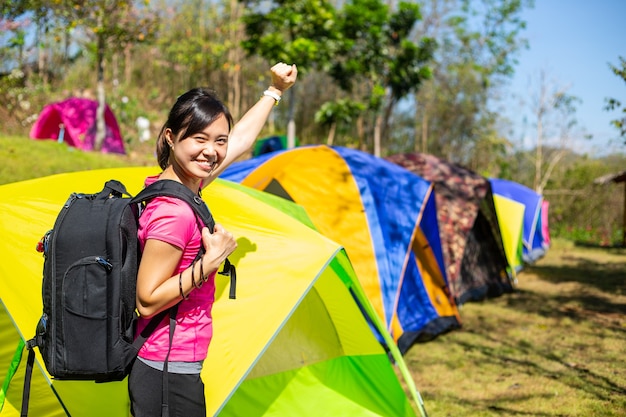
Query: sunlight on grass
{"x":24,"y":158}
{"x":555,"y":347}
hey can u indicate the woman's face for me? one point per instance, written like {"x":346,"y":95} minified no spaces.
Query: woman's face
{"x":200,"y":154}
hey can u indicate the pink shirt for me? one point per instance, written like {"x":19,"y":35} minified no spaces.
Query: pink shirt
{"x":171,"y":220}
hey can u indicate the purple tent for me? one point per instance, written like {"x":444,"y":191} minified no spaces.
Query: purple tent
{"x":73,"y":121}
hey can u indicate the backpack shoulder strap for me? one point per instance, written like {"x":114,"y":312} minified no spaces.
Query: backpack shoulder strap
{"x":171,"y":188}
{"x":175,"y":189}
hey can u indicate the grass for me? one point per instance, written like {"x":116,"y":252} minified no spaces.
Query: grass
{"x":555,"y":347}
{"x":23,"y":158}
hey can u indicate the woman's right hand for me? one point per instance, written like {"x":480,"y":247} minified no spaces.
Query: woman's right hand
{"x":218,"y":246}
{"x":283,"y":76}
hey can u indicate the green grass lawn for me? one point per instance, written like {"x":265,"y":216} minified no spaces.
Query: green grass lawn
{"x":23,"y":158}
{"x":555,"y":347}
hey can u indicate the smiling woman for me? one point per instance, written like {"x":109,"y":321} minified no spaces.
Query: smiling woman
{"x":179,"y":256}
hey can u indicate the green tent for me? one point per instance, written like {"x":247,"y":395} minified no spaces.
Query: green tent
{"x":297,"y":340}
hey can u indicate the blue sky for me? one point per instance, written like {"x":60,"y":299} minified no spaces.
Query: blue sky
{"x":573,"y":42}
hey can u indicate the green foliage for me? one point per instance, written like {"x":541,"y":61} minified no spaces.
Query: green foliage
{"x":113,"y":21}
{"x":65,"y":32}
{"x":341,"y":111}
{"x":589,"y":235}
{"x":401,"y":23}
{"x":377,"y":51}
{"x":363,"y":44}
{"x":205,"y":46}
{"x":21,"y":101}
{"x":583,"y":211}
{"x":355,"y":61}
{"x":408,"y":69}
{"x":478,"y":44}
{"x":301,"y":31}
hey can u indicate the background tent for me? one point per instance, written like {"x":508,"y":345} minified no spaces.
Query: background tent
{"x":73,"y":121}
{"x":271,"y":144}
{"x":533,"y":237}
{"x":476,"y":263}
{"x":296,"y":341}
{"x":385,"y":217}
{"x":511,"y":220}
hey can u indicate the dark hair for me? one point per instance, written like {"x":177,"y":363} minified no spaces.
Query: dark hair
{"x":192,"y":113}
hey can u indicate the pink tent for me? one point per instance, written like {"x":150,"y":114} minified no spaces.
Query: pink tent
{"x":545,"y":231}
{"x":73,"y":121}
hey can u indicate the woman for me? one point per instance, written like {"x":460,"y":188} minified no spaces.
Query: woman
{"x":194,"y":146}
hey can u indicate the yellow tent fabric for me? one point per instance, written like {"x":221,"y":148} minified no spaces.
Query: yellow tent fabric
{"x":511,"y":220}
{"x":294,"y":342}
{"x":384,"y":216}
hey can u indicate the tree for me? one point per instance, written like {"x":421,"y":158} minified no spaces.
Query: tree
{"x":26,"y":28}
{"x":556,"y":128}
{"x":337,"y":113}
{"x":109,"y":24}
{"x":455,"y":115}
{"x":376,"y":55}
{"x":613,"y":104}
{"x":235,"y":55}
{"x":291,"y":31}
{"x":204,"y":50}
{"x":104,"y":24}
{"x":362,"y":45}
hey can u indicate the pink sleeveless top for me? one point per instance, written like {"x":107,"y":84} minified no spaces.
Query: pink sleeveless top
{"x":173,"y":221}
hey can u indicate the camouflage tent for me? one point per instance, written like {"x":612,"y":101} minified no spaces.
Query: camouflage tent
{"x":474,"y":254}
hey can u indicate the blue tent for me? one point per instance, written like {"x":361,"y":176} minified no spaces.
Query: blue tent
{"x":386,"y":218}
{"x":534,"y":241}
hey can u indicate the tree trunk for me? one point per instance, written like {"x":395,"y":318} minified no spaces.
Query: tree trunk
{"x":128,"y":63}
{"x":234,"y":59}
{"x":100,"y":127}
{"x":360,"y":133}
{"x":41,"y":59}
{"x":538,"y":156}
{"x":291,"y":125}
{"x":331,"y":134}
{"x":541,"y":110}
{"x":377,"y":134}
{"x":41,"y":64}
{"x":115,"y":70}
{"x":384,"y":129}
{"x":424,"y":147}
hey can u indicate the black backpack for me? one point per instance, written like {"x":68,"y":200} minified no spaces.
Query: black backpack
{"x":91,"y":259}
